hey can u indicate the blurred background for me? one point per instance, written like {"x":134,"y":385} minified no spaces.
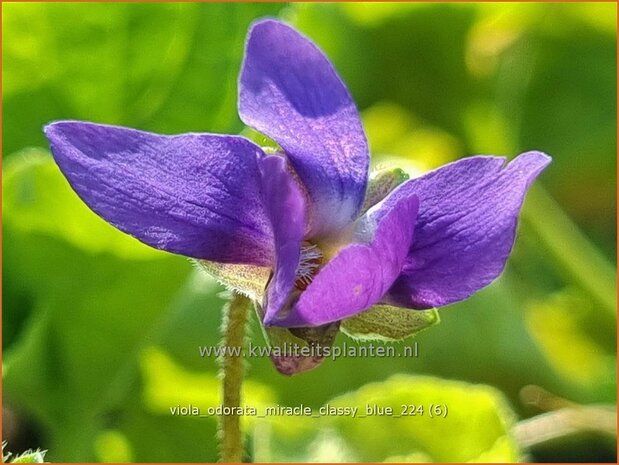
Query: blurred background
{"x":100,"y":334}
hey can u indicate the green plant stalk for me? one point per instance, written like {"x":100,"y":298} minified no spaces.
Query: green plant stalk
{"x":571,"y":249}
{"x":233,"y":335}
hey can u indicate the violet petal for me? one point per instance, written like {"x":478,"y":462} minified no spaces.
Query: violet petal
{"x":194,"y":194}
{"x":285,"y":205}
{"x":361,"y":273}
{"x":289,"y":91}
{"x":465,"y":227}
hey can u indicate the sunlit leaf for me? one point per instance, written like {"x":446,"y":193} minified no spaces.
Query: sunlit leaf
{"x":431,"y":419}
{"x":168,"y":67}
{"x":166,"y":385}
{"x":564,"y":327}
{"x":113,"y":446}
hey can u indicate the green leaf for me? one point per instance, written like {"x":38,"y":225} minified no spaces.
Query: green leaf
{"x":113,"y":446}
{"x":92,"y":307}
{"x":75,"y":360}
{"x":445,"y":421}
{"x":168,"y":384}
{"x":166,"y":67}
{"x":384,"y":322}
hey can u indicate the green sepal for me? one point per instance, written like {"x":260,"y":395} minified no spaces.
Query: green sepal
{"x":249,"y":280}
{"x":387,"y":323}
{"x":381,"y":183}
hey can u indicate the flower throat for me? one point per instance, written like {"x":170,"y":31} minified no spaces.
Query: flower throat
{"x":309,"y":263}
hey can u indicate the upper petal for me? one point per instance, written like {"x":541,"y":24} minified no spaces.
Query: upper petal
{"x":197,"y":195}
{"x":361,"y":273}
{"x":465,"y":228}
{"x":289,"y":91}
{"x":285,"y":204}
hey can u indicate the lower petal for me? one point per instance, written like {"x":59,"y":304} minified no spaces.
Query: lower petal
{"x":361,"y":273}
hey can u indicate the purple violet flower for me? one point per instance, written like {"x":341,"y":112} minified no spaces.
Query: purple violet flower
{"x":300,"y":212}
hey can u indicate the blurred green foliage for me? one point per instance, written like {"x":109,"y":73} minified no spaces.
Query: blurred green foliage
{"x":416,"y":433}
{"x":101,"y":334}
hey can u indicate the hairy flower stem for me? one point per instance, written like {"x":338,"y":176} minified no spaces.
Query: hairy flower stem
{"x":233,"y":335}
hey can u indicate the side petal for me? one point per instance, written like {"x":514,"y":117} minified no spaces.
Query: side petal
{"x":289,"y":91}
{"x":465,"y":228}
{"x":361,"y":273}
{"x":197,"y":195}
{"x":285,"y":204}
